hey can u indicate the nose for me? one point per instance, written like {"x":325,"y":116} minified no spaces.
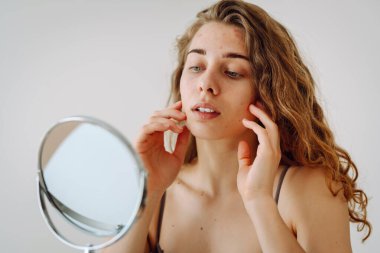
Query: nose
{"x":208,"y":84}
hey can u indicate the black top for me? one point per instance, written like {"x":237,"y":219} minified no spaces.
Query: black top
{"x":158,"y":249}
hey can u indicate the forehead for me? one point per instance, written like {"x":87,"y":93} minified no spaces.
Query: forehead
{"x":219,"y":37}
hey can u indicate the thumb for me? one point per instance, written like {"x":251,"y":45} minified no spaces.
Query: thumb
{"x":244,"y":154}
{"x":182,"y":143}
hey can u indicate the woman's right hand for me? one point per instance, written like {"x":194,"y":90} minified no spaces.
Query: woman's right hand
{"x":162,"y":166}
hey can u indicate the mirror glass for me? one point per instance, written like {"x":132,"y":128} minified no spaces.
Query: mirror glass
{"x":91,"y":184}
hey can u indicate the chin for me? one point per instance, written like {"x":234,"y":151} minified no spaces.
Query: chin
{"x":214,"y":132}
{"x":205,"y":132}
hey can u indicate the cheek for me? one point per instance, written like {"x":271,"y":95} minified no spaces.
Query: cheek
{"x":244,"y":107}
{"x":185,"y":91}
{"x":185,"y":101}
{"x":243,"y":110}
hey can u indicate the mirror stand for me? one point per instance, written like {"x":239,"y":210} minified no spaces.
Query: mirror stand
{"x":88,"y":250}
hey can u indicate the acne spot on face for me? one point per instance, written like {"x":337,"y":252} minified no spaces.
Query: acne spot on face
{"x":238,"y":33}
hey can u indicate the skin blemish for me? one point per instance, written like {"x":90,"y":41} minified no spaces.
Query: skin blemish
{"x":202,"y":228}
{"x":173,"y":226}
{"x":238,"y":33}
{"x":202,"y":193}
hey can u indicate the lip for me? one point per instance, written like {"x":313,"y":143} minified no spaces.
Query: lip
{"x":205,"y":115}
{"x":205,"y":105}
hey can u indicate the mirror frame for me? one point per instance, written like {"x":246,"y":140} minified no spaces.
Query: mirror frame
{"x":42,"y":188}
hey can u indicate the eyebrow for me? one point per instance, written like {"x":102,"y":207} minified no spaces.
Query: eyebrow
{"x":227,"y":55}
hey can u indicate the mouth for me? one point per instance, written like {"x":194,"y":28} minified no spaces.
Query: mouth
{"x":205,"y":111}
{"x":205,"y":108}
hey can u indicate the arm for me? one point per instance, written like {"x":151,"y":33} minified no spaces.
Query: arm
{"x":272,"y":232}
{"x":162,"y":167}
{"x":319,"y":219}
{"x":136,"y":238}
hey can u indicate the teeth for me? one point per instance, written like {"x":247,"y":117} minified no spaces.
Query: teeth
{"x":201,"y":109}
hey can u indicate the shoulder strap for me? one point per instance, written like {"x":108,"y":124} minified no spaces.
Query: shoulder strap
{"x":279,"y":185}
{"x":150,"y":244}
{"x":160,"y":215}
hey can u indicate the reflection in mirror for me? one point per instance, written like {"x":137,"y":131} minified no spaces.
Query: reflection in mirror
{"x":89,"y":179}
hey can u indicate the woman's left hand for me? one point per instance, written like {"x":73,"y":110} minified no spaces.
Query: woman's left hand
{"x":255,"y":179}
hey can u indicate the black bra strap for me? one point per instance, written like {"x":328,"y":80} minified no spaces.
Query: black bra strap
{"x":150,"y":245}
{"x":280,"y":183}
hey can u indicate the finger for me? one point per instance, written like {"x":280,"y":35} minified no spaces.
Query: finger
{"x":182,"y":144}
{"x":263,"y":117}
{"x":244,"y":154}
{"x":169,"y":113}
{"x":269,"y":125}
{"x":176,"y":105}
{"x":144,"y":137}
{"x":172,"y":125}
{"x":152,"y":128}
{"x":262,"y":134}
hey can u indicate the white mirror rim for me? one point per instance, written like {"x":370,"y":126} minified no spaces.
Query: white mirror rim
{"x":41,"y":186}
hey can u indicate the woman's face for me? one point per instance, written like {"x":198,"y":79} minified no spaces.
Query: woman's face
{"x":216,"y":84}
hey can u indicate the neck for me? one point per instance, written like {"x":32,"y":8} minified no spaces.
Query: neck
{"x":216,"y":166}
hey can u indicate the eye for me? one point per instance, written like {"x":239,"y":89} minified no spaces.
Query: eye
{"x":195,"y":69}
{"x":233,"y":74}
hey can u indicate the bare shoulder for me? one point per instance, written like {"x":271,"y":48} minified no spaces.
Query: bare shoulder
{"x":310,"y":184}
{"x":319,"y":219}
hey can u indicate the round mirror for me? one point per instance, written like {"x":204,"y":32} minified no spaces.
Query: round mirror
{"x":91,"y":184}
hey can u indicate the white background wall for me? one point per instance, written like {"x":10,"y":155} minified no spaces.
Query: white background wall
{"x":113,"y":60}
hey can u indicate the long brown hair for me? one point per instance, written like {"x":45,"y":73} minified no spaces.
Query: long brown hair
{"x":287,"y":90}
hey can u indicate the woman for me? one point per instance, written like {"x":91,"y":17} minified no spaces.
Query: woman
{"x":252,"y":129}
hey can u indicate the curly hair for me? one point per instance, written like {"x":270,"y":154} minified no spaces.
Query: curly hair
{"x":286,"y":88}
